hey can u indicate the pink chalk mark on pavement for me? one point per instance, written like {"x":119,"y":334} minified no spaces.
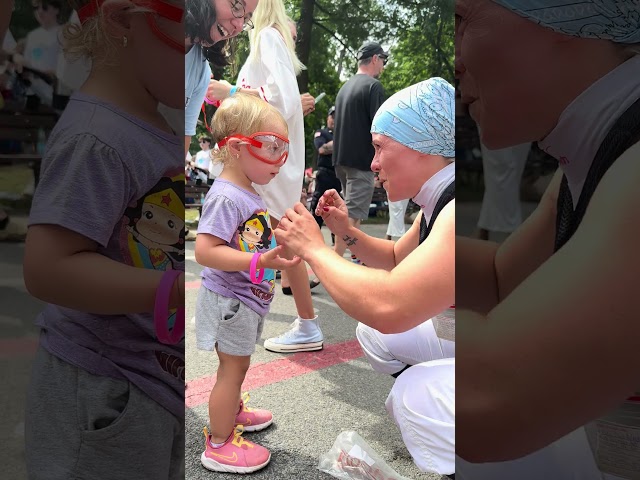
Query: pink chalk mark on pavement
{"x":263,"y":374}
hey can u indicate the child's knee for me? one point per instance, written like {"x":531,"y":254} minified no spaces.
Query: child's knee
{"x":232,"y":366}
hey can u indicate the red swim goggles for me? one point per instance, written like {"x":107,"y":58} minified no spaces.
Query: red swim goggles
{"x":157,"y":7}
{"x":268,"y":147}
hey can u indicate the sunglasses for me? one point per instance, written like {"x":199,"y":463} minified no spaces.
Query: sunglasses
{"x":268,"y":147}
{"x":238,"y":10}
{"x":157,"y":7}
{"x":384,"y":59}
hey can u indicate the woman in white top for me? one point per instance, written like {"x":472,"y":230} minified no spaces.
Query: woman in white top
{"x":270,"y":73}
{"x":547,"y":323}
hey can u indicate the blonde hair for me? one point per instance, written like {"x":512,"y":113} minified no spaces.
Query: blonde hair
{"x":242,"y":114}
{"x":271,"y":13}
{"x":92,"y":39}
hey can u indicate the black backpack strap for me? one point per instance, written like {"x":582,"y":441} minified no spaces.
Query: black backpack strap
{"x":624,"y":134}
{"x":448,"y":195}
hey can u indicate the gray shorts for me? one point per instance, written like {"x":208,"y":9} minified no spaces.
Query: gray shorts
{"x":228,"y":322}
{"x":357,"y":189}
{"x":84,"y":426}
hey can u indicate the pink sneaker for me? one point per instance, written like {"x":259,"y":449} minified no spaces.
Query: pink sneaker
{"x":250,"y":419}
{"x":237,"y":455}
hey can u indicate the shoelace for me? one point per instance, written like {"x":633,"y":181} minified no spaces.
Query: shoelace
{"x":245,"y":400}
{"x":238,"y":440}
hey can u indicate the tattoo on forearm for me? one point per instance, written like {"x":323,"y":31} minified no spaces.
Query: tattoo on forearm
{"x":350,"y":240}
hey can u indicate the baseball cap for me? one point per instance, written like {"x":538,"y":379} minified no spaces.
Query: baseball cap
{"x":332,"y":110}
{"x":369,"y":49}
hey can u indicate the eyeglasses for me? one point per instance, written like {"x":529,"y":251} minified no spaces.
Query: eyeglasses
{"x":238,"y":10}
{"x":384,"y":59}
{"x":268,"y":147}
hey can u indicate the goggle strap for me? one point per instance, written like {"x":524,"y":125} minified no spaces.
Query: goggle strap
{"x":166,"y":10}
{"x":204,"y":116}
{"x":163,"y":36}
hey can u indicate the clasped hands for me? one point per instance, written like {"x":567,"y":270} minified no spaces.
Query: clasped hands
{"x":299,"y":231}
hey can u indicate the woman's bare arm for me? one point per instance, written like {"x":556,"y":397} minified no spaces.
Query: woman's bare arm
{"x":489,"y":272}
{"x":561,"y":349}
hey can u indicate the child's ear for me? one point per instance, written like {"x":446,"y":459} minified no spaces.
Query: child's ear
{"x":234,"y":146}
{"x":117,"y":18}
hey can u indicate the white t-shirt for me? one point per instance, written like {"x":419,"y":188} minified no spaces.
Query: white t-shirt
{"x":273,"y":74}
{"x":215,"y":169}
{"x":203,"y":159}
{"x":71,"y":74}
{"x":197,"y":74}
{"x":41,"y":52}
{"x":42,"y":48}
{"x":8,"y":43}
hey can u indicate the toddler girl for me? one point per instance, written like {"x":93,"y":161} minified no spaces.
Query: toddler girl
{"x":237,"y":247}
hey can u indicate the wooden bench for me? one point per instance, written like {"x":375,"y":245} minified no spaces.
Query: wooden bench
{"x":196,"y":192}
{"x":381,"y":201}
{"x":22,"y":128}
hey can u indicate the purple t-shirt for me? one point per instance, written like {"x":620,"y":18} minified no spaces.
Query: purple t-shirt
{"x":240,"y":218}
{"x":120,"y":182}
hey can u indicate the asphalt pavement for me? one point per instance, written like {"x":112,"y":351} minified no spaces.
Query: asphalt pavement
{"x":314,"y":396}
{"x":18,"y":342}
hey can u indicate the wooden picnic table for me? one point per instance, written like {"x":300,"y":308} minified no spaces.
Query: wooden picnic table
{"x":20,"y":129}
{"x":195,"y":191}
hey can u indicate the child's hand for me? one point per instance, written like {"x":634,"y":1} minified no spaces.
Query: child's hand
{"x":273,"y":260}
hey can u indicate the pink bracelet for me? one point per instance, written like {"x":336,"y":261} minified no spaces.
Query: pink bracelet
{"x":215,"y":103}
{"x":252,"y":270}
{"x":161,"y":311}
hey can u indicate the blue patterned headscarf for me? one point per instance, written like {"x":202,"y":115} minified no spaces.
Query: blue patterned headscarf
{"x":615,"y":20}
{"x":422,"y":117}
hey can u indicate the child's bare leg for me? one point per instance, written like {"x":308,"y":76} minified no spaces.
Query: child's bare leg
{"x":225,"y":395}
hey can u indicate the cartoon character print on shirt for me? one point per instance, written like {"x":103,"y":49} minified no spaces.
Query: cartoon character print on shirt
{"x":153,"y":237}
{"x":156,"y":226}
{"x":255,"y":235}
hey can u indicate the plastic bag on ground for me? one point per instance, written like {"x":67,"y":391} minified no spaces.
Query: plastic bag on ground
{"x":351,"y":458}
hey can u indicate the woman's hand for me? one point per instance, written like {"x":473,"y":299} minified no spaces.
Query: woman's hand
{"x":308,"y":103}
{"x":333,"y":210}
{"x":273,"y":260}
{"x":299,"y":231}
{"x":218,"y":90}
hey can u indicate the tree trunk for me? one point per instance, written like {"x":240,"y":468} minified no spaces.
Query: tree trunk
{"x":304,"y":41}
